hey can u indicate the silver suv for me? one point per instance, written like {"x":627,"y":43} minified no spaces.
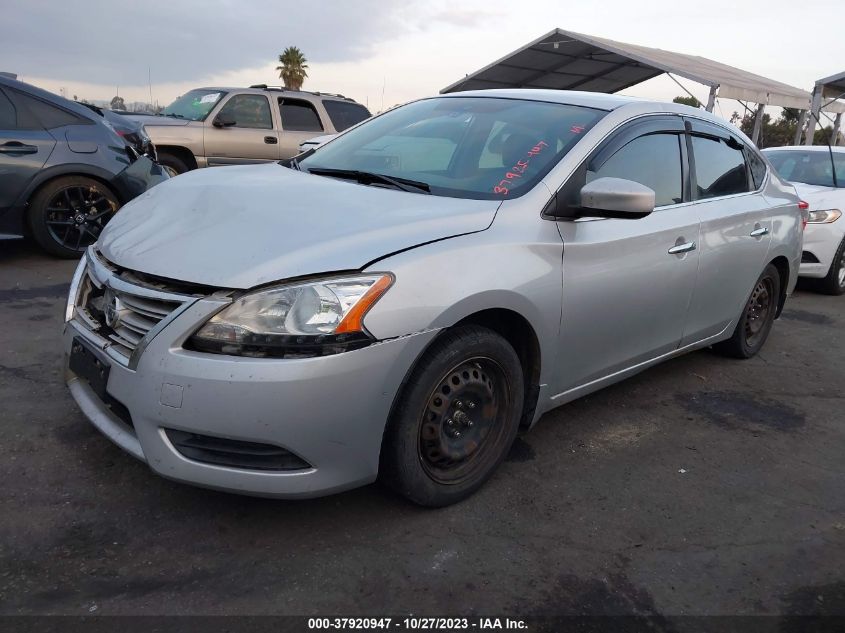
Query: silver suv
{"x":208,"y":127}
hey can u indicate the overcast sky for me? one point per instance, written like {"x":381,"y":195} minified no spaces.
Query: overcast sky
{"x":382,"y":52}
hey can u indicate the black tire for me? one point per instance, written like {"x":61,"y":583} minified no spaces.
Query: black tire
{"x":172,"y":163}
{"x":67,"y":214}
{"x":757,"y":318}
{"x":834,"y":282}
{"x":456,"y":418}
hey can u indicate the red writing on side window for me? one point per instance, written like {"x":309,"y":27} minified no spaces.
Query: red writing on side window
{"x":503,"y":187}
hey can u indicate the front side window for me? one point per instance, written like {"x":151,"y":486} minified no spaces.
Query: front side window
{"x":345,"y":114}
{"x":299,"y":116}
{"x":810,"y":168}
{"x":654,"y":161}
{"x":250,"y":111}
{"x":719,"y":167}
{"x":194,"y":105}
{"x":485,"y":148}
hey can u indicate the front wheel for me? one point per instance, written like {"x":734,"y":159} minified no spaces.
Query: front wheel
{"x":756,"y":319}
{"x":834,"y":282}
{"x":171,"y":163}
{"x":456,"y":419}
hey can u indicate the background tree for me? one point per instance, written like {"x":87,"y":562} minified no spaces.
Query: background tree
{"x":117,"y":103}
{"x":690,"y":101}
{"x":293,"y":68}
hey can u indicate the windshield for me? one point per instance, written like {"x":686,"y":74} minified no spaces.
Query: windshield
{"x":194,"y":105}
{"x":810,"y":168}
{"x":465,"y":147}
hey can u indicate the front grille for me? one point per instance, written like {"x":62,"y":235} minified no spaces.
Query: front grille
{"x":120,"y":311}
{"x":808,"y":258}
{"x":220,"y":451}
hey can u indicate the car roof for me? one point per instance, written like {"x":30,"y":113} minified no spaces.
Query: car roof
{"x":286,"y":91}
{"x":805,"y":148}
{"x":598,"y":100}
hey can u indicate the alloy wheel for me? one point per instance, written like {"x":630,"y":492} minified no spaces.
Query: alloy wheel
{"x":77,"y":214}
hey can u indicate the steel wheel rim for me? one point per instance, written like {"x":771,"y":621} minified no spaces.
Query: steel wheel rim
{"x":758,"y":310}
{"x":463,"y":420}
{"x":77,"y":214}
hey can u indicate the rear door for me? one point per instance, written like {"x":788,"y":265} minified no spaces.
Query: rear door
{"x":300,"y":122}
{"x":735,"y":229}
{"x":24,"y":148}
{"x":628,"y":283}
{"x":252,"y":139}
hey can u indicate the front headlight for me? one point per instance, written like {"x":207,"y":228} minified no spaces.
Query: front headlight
{"x":297,"y":320}
{"x":824,"y":217}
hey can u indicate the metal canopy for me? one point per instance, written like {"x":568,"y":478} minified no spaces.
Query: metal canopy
{"x":833,"y":86}
{"x":565,"y":60}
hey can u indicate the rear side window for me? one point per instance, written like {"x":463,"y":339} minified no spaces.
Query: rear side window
{"x":46,"y":114}
{"x":653,"y":160}
{"x":345,"y":114}
{"x":250,"y":111}
{"x":8,"y":116}
{"x":757,"y":167}
{"x":299,"y":116}
{"x":719,"y":168}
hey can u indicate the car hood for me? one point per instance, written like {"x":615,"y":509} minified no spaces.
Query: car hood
{"x":239,"y":227}
{"x":820,"y":197}
{"x":152,"y":120}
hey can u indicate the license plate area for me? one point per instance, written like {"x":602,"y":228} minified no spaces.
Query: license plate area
{"x":85,"y":364}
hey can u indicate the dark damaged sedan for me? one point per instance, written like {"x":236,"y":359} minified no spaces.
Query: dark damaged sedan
{"x":64,"y":171}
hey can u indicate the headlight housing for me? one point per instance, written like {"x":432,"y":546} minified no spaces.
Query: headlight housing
{"x":824,"y":217}
{"x":295,"y":320}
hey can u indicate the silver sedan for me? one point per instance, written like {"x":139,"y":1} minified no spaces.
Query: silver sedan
{"x":401,"y":301}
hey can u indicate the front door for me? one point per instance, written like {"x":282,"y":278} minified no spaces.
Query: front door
{"x":628,"y":283}
{"x":251,"y":139}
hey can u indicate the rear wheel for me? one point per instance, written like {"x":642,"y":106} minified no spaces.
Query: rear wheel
{"x":834,"y":282}
{"x":67,"y":215}
{"x":757,"y":318}
{"x":172,"y":164}
{"x":456,"y":418}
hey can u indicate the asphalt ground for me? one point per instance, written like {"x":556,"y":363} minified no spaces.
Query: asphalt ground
{"x":703,"y":486}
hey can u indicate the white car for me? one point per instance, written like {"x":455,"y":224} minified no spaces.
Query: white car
{"x":313,"y":143}
{"x":818,"y":174}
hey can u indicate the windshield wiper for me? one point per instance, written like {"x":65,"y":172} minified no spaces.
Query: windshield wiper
{"x":369,"y":178}
{"x":175,"y":116}
{"x":293,"y":162}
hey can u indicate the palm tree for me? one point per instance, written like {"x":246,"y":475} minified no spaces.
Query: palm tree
{"x":293,"y":67}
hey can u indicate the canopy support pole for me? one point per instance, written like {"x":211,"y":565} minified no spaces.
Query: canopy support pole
{"x":711,"y":98}
{"x":802,"y":119}
{"x":815,"y":109}
{"x":836,"y":124}
{"x":758,"y":123}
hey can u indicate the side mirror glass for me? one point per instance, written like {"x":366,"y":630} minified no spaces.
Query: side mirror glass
{"x":222,"y":120}
{"x":616,"y":198}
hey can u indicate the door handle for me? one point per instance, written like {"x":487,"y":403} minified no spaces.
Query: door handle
{"x":760,"y":232}
{"x":17,"y":148}
{"x":682,"y":248}
{"x":271,"y":140}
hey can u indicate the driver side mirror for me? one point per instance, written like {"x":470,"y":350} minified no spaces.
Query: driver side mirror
{"x":223,"y":120}
{"x":608,"y":198}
